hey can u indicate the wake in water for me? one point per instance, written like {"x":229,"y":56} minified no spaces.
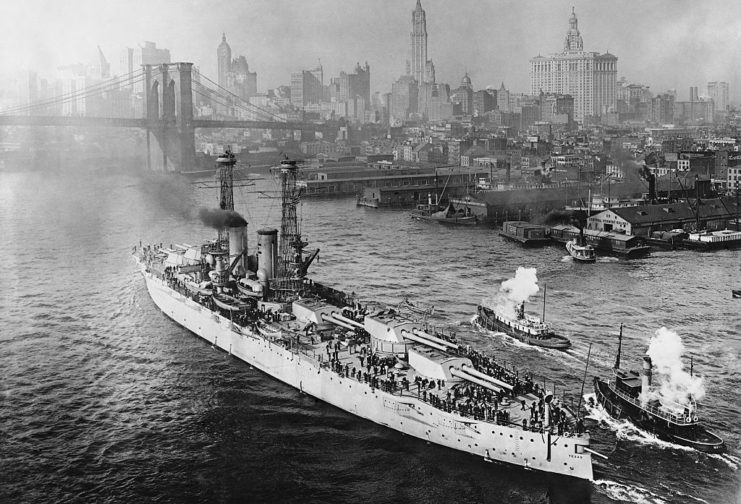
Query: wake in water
{"x":627,"y":493}
{"x":607,"y":259}
{"x":624,"y":429}
{"x":731,"y":461}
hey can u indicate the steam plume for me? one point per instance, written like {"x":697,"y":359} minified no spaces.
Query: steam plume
{"x":218,"y":219}
{"x":677,"y":386}
{"x":516,"y":290}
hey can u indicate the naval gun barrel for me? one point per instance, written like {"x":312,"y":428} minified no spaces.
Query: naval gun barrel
{"x":468,"y":369}
{"x":424,"y":341}
{"x":329,"y":318}
{"x":462,"y":374}
{"x":346,"y":320}
{"x":430,"y":337}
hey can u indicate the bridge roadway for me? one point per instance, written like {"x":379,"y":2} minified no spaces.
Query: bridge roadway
{"x":30,"y":120}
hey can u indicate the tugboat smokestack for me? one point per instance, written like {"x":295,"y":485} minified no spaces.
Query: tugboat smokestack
{"x":646,"y":375}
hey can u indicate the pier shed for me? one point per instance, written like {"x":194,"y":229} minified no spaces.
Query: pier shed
{"x":642,"y":220}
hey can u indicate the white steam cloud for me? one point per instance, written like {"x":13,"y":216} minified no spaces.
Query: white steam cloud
{"x":677,"y":385}
{"x":514,"y":291}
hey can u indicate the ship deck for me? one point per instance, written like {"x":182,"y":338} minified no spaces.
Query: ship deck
{"x":461,"y":397}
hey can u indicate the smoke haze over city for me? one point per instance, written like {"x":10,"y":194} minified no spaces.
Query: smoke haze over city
{"x":662,"y":44}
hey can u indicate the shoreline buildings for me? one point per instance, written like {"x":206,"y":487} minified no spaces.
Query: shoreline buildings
{"x":590,"y":77}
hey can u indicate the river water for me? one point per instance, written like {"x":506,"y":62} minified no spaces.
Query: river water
{"x":104,"y":399}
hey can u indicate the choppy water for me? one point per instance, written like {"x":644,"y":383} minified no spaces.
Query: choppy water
{"x":104,"y":399}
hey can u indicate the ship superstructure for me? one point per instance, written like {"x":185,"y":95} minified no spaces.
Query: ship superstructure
{"x":376,"y":364}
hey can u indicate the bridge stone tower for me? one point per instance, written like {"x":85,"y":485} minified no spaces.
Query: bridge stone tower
{"x":169,"y":116}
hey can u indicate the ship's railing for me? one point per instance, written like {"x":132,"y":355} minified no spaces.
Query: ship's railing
{"x":678,"y":419}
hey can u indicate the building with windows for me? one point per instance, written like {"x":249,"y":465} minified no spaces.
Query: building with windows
{"x":590,"y":77}
{"x":403,"y":98}
{"x":718,"y":92}
{"x":354,"y":85}
{"x":463,"y":97}
{"x":223,"y":60}
{"x":421,"y":68}
{"x":306,"y":87}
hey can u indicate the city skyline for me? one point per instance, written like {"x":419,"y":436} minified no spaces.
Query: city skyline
{"x":665,"y":45}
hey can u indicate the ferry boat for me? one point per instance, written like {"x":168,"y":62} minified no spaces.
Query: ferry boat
{"x":375,"y":364}
{"x":624,"y":397}
{"x":526,"y":328}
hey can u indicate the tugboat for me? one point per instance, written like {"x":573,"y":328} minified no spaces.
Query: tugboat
{"x":626,"y":397}
{"x":376,"y":364}
{"x":580,"y":250}
{"x":525,"y":328}
{"x":447,"y":215}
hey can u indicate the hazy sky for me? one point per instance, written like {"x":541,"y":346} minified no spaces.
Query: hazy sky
{"x":661,"y":43}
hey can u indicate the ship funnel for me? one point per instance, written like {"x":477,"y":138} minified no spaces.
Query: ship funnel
{"x":646,"y":375}
{"x":267,"y":252}
{"x":237,"y":246}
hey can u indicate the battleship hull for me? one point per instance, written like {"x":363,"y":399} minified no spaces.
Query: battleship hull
{"x":567,"y":456}
{"x":686,"y":434}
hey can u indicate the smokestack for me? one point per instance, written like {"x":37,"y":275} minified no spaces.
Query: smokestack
{"x":652,"y":188}
{"x":267,"y":252}
{"x":646,"y":376}
{"x":237,"y":246}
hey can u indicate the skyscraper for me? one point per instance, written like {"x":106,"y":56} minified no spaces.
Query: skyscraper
{"x":403,"y":99}
{"x":718,"y":91}
{"x":224,"y":60}
{"x":419,"y":44}
{"x":590,"y":77}
{"x":355,"y":84}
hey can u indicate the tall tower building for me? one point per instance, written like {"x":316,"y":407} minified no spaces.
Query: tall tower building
{"x":590,"y":77}
{"x":718,"y":91}
{"x":419,"y":44}
{"x":224,"y":59}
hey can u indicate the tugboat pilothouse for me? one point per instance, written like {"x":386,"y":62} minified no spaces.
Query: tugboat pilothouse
{"x":378,"y":365}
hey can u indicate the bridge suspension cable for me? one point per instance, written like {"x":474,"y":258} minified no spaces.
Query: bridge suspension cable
{"x":86,"y":92}
{"x":220,"y":99}
{"x":224,"y":90}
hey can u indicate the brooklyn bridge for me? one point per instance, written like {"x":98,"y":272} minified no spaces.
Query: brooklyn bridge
{"x":169,"y":119}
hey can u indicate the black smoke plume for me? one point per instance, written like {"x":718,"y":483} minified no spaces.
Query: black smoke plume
{"x":576,"y":218}
{"x":219,"y":219}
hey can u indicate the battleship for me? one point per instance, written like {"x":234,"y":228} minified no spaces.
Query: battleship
{"x":377,"y":364}
{"x":627,"y":396}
